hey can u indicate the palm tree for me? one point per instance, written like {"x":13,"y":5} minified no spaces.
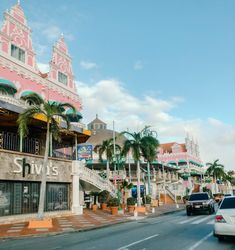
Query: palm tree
{"x":150,"y":146}
{"x":138,"y":143}
{"x":125,"y":187}
{"x":215,"y":170}
{"x":51,"y":111}
{"x":107,"y":148}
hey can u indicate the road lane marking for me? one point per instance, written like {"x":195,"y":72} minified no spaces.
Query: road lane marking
{"x":200,"y":241}
{"x":211,"y":222}
{"x":137,"y":242}
{"x":189,"y":220}
{"x":201,"y":220}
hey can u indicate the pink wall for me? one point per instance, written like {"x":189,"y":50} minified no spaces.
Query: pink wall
{"x":61,"y":61}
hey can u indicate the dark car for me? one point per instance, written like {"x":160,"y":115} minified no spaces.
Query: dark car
{"x":200,"y":202}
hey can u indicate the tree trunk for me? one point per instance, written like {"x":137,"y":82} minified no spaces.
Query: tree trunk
{"x":107,"y":170}
{"x":138,"y":184}
{"x":148,"y":171}
{"x":44,"y":176}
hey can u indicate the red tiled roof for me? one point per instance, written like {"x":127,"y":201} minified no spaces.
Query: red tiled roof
{"x":167,"y":147}
{"x":43,"y":75}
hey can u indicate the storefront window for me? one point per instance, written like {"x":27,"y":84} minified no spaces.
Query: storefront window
{"x":23,"y":197}
{"x":57,"y":197}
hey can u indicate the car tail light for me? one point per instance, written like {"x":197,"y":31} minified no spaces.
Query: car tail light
{"x":220,"y":219}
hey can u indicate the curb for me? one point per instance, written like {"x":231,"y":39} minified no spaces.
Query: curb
{"x":61,"y":232}
{"x":86,"y":229}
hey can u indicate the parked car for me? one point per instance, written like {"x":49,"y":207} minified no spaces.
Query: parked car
{"x":225,"y":218}
{"x":199,"y":202}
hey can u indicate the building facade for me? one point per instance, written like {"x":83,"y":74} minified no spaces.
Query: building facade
{"x":22,"y":158}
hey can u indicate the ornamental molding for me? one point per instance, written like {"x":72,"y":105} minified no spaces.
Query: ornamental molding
{"x":18,"y":37}
{"x":26,"y":72}
{"x":61,"y":53}
{"x":9,"y":17}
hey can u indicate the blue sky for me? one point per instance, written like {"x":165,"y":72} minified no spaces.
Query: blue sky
{"x":175,"y":60}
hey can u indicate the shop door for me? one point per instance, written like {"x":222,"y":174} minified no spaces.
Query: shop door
{"x":30,"y":197}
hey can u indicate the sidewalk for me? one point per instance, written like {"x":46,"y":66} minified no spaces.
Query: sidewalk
{"x":88,"y":221}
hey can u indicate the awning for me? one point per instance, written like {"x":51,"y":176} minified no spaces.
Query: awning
{"x":28,"y":92}
{"x":172,"y":162}
{"x":195,"y":163}
{"x":74,"y":117}
{"x":182,"y":161}
{"x":8,"y":86}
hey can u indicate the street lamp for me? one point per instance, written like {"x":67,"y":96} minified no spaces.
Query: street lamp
{"x":119,"y":160}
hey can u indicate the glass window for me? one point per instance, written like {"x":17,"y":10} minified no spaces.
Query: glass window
{"x":62,"y":78}
{"x":201,"y":196}
{"x":228,"y":203}
{"x":17,"y":53}
{"x":57,"y":197}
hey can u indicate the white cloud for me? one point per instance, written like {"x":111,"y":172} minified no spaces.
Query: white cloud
{"x":44,"y":68}
{"x":88,"y":65}
{"x":138,"y":65}
{"x":52,"y":32}
{"x":111,"y":101}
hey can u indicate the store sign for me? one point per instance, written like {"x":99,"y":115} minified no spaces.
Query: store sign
{"x":24,"y":167}
{"x":84,"y":152}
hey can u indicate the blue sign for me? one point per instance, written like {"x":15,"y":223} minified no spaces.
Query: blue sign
{"x":84,"y":152}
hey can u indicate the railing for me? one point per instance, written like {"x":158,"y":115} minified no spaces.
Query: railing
{"x":30,"y":145}
{"x":95,"y":179}
{"x":177,"y":189}
{"x":11,"y":141}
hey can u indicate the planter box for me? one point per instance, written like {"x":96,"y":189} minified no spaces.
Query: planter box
{"x":45,"y":223}
{"x":114,"y":210}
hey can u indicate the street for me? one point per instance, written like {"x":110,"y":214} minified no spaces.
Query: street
{"x":173,"y":231}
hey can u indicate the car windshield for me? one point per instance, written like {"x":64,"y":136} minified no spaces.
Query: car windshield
{"x":194,"y":197}
{"x":228,"y":203}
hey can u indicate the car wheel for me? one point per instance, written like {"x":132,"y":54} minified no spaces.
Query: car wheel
{"x":220,"y":238}
{"x":188,"y":213}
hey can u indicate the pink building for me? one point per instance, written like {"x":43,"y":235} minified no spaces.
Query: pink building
{"x":187,"y":157}
{"x":19,"y":73}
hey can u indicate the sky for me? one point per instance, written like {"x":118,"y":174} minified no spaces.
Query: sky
{"x":164,"y":63}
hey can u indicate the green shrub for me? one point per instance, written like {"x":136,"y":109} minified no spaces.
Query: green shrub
{"x":147,"y":199}
{"x":113,"y":202}
{"x":178,"y":197}
{"x":131,"y":201}
{"x":103,"y":196}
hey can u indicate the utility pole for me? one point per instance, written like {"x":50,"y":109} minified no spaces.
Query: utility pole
{"x":164,"y":185}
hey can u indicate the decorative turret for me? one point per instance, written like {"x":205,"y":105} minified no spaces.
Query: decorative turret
{"x":15,"y":37}
{"x":61,"y":65}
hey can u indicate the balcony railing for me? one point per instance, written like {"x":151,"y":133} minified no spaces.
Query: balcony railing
{"x":11,"y":141}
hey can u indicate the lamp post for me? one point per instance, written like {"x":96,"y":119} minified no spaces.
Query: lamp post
{"x":119,"y":160}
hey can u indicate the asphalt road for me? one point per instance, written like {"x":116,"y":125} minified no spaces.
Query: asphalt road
{"x":174,"y":232}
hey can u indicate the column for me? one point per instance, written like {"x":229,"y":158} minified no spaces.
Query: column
{"x":76,"y":207}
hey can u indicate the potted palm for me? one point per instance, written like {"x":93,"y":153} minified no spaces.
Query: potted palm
{"x":147,"y":201}
{"x":103,"y":199}
{"x":94,"y":206}
{"x":113,"y":204}
{"x":131,"y":204}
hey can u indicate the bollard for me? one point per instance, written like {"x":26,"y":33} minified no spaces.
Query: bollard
{"x":135,"y":211}
{"x":153,"y":210}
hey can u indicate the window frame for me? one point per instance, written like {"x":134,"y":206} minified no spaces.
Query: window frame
{"x":62,"y":77}
{"x":18,"y":53}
